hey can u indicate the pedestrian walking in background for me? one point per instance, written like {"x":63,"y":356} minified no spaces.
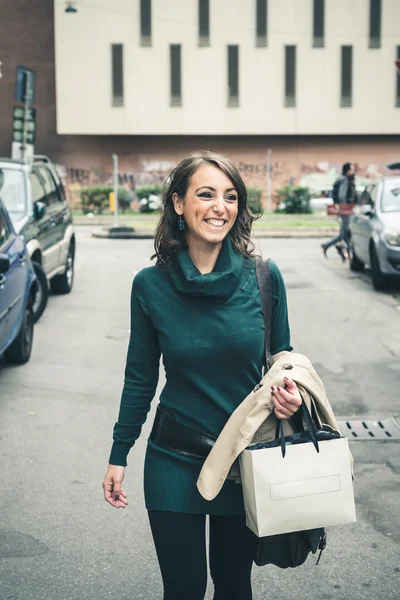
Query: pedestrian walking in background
{"x":200,"y":308}
{"x":344,"y":192}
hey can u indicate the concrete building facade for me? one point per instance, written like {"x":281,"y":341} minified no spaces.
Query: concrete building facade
{"x":314,"y":81}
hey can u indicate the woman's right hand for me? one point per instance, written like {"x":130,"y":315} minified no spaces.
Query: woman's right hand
{"x":113,"y":493}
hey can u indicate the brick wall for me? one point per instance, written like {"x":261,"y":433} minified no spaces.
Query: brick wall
{"x":145,"y":159}
{"x":27,"y":38}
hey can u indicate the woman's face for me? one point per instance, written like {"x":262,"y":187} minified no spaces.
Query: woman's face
{"x":210,"y":206}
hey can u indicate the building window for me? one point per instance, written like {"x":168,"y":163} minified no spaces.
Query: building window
{"x":375,"y":20}
{"x":347,"y":76}
{"x":319,"y":24}
{"x":290,"y":76}
{"x":261,"y":23}
{"x":145,"y":22}
{"x":398,"y":80}
{"x":233,"y":75}
{"x":176,"y":83}
{"x":204,"y":22}
{"x":117,"y":75}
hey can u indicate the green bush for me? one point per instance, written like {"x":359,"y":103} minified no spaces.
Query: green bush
{"x":294,"y":200}
{"x":144,"y":191}
{"x":254,"y":200}
{"x":96,"y":199}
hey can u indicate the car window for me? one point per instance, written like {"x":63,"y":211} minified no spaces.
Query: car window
{"x":391,"y":198}
{"x":373,"y":194}
{"x":38,"y":193}
{"x":5,"y":231}
{"x":49,"y":185}
{"x":13,"y":192}
{"x":59,"y":185}
{"x":365,"y":197}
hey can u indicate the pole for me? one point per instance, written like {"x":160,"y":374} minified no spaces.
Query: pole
{"x":269,"y":179}
{"x":115,"y":186}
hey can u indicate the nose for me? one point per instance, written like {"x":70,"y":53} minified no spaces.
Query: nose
{"x":219,"y":205}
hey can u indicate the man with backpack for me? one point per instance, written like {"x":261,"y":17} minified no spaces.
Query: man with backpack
{"x":344,"y":192}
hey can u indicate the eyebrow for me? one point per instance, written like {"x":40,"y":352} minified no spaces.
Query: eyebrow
{"x":207,"y":187}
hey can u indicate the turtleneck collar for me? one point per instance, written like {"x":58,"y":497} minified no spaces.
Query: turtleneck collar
{"x":228,"y":274}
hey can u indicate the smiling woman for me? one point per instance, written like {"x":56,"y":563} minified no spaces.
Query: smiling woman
{"x":208,"y":193}
{"x":200,"y":308}
{"x":209,"y":213}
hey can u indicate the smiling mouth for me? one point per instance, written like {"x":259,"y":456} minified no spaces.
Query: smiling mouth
{"x":217,"y":223}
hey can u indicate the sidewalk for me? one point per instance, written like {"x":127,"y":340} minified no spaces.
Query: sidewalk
{"x":270,"y":225}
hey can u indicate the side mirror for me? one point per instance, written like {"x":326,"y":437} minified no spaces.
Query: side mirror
{"x":39,"y":210}
{"x":4,"y":263}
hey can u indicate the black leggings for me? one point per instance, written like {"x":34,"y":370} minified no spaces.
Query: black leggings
{"x":180,"y":541}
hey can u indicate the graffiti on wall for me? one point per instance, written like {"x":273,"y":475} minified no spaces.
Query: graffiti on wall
{"x":316,"y":175}
{"x":148,"y":172}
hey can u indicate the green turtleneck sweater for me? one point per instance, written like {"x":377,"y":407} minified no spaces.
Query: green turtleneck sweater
{"x":209,"y":330}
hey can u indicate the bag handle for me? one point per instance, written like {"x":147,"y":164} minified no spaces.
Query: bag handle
{"x":310,"y":429}
{"x":264,"y":282}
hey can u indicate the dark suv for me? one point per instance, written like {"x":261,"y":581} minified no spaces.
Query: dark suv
{"x":35,"y":199}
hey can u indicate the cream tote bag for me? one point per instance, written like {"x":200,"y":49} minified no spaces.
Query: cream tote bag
{"x":296,"y":483}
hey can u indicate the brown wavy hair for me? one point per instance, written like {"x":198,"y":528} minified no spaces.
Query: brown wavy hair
{"x":168,"y":238}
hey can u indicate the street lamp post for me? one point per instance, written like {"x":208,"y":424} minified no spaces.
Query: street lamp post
{"x":115,"y":186}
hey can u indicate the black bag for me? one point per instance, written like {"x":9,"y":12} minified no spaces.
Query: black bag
{"x":287,"y":549}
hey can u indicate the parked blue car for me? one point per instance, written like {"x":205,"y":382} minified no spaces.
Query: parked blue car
{"x":17,"y":293}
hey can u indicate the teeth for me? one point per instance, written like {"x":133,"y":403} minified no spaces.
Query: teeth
{"x":215,"y":222}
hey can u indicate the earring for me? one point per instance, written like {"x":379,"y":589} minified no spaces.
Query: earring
{"x":181,"y":224}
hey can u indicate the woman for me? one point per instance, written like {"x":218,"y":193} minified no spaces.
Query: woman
{"x":200,"y":308}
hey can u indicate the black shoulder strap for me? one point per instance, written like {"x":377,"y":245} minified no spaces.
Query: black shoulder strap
{"x":265,"y":286}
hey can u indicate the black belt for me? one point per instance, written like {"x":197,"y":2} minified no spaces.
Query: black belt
{"x":173,"y":436}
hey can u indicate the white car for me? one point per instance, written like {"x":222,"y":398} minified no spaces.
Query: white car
{"x":375,"y":231}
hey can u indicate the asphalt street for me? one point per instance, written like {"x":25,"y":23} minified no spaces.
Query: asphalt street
{"x":59,"y":540}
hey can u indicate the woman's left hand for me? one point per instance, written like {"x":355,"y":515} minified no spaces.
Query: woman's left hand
{"x":286,"y":401}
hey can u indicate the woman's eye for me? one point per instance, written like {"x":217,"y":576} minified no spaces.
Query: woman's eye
{"x":205,"y":195}
{"x":231,"y":198}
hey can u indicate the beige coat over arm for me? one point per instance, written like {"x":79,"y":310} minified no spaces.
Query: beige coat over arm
{"x":254,"y":420}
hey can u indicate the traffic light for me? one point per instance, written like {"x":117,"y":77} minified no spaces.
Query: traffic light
{"x":18,"y":125}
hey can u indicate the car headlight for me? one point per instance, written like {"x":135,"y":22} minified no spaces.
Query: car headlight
{"x":392,"y":238}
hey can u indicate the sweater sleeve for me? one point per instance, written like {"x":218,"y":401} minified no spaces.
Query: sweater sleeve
{"x":280,"y":330}
{"x":141,"y":376}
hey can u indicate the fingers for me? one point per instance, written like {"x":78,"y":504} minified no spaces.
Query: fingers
{"x":113,"y":493}
{"x":286,"y":402}
{"x":290,"y":385}
{"x":117,"y":500}
{"x":280,"y":409}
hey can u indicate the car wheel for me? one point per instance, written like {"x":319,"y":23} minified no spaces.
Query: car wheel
{"x":20,"y":350}
{"x":42,"y":293}
{"x":62,"y":284}
{"x":355,"y":263}
{"x":380,"y":281}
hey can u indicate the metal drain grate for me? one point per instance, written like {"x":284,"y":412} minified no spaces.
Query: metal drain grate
{"x":369,"y":429}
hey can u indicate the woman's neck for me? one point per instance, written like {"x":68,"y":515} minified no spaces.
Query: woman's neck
{"x":204,"y":256}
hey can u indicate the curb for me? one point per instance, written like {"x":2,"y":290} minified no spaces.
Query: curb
{"x":104,"y":229}
{"x":123,"y":236}
{"x":266,"y":233}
